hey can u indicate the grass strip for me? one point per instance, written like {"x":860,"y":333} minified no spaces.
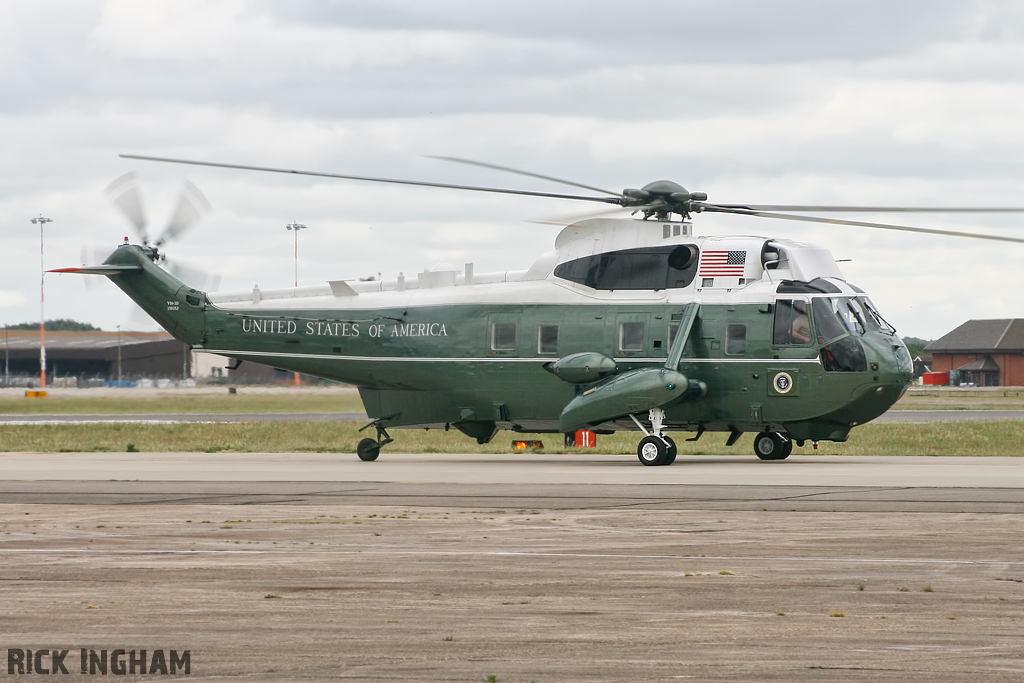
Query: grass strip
{"x":929,"y":439}
{"x":185,"y":403}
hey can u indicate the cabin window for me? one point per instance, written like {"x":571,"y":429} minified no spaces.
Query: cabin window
{"x":547,"y":339}
{"x":791,"y":323}
{"x":503,"y":336}
{"x":631,"y":337}
{"x":736,"y":340}
{"x":673,"y":330}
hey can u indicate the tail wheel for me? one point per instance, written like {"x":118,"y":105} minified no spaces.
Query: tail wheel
{"x":772,"y":446}
{"x":654,"y":450}
{"x":368,"y":449}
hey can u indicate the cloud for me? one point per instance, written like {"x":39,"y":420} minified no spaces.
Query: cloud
{"x":791,"y":101}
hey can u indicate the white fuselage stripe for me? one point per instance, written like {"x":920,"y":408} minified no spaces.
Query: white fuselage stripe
{"x":503,"y":359}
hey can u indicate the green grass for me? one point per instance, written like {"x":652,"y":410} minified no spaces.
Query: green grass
{"x":185,"y":401}
{"x":934,"y":439}
{"x":955,"y":398}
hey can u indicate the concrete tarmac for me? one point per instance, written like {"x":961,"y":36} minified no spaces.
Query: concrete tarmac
{"x":520,"y":468}
{"x":435,"y":567}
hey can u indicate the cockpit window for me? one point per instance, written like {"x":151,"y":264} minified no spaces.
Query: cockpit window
{"x":846,"y":311}
{"x":874,"y":317}
{"x":857,"y":314}
{"x":835,"y":319}
{"x":827,"y":321}
{"x":791,"y":323}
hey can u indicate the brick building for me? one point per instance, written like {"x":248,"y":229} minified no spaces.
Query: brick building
{"x":987,"y":353}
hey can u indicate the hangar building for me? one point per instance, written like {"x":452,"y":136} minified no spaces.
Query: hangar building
{"x":93,"y":356}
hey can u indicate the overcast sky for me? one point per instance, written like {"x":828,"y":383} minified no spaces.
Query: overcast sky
{"x":870,"y":102}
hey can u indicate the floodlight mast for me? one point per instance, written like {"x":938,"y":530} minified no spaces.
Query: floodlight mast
{"x":42,"y":302}
{"x":296,"y":227}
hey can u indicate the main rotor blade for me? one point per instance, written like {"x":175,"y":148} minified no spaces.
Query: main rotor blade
{"x":606,"y":200}
{"x":715,"y":208}
{"x":124,"y":192}
{"x":874,"y":209}
{"x":528,"y":174}
{"x":568,"y":219}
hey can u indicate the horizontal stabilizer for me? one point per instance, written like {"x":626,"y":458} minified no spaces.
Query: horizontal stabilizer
{"x":97,"y":270}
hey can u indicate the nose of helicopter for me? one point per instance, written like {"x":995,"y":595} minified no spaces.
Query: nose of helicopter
{"x":891,"y":372}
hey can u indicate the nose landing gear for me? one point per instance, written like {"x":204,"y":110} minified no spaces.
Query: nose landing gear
{"x":772,"y":446}
{"x":656,"y":448}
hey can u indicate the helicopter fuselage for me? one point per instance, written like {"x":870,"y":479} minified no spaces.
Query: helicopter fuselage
{"x":735,"y":334}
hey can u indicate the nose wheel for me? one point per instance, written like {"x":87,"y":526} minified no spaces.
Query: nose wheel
{"x":772,"y":446}
{"x":656,"y":448}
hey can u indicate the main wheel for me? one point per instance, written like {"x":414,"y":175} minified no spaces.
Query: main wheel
{"x":653,"y":450}
{"x":368,"y":449}
{"x":672,"y":450}
{"x":772,"y":446}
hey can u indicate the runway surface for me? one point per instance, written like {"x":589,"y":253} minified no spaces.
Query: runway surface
{"x":440,"y":567}
{"x":523,"y":480}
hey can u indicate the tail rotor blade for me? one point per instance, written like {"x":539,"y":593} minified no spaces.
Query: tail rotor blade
{"x":192,"y":204}
{"x":194,"y":276}
{"x":124,"y":192}
{"x":89,"y":259}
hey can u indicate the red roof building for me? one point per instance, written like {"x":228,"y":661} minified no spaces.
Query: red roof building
{"x":985,"y":353}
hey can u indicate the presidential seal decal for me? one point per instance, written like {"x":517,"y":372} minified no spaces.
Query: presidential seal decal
{"x":783,"y":382}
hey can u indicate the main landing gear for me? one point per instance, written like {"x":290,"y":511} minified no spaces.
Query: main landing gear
{"x":772,"y":446}
{"x":369,"y":449}
{"x":656,"y":448}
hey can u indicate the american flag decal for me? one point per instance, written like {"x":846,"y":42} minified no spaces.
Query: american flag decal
{"x":722,"y":263}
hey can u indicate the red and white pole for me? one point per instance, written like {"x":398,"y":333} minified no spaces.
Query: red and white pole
{"x":42,"y":303}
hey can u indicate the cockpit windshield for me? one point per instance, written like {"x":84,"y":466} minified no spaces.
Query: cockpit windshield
{"x":874,"y":318}
{"x":835,"y":316}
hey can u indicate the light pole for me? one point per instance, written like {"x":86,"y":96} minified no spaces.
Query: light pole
{"x":295,"y":227}
{"x":42,"y":300}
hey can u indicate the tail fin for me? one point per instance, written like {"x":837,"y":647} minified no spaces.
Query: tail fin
{"x":178,"y":308}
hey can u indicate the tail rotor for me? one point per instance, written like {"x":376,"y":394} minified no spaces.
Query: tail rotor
{"x":191,"y":206}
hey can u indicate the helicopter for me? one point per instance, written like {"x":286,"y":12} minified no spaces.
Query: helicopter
{"x":630,"y":323}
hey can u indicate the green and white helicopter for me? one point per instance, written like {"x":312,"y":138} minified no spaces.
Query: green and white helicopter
{"x":628,"y":324}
